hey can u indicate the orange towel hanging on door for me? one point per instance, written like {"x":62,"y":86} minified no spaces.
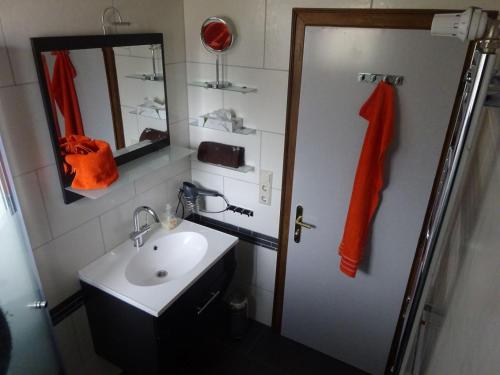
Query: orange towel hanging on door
{"x":379,"y":112}
{"x":64,"y":92}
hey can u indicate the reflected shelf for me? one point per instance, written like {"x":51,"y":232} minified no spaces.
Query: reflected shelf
{"x":230,"y":87}
{"x":242,"y":131}
{"x":147,"y":77}
{"x":137,"y":169}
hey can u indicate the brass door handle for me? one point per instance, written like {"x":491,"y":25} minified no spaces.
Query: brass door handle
{"x":298,"y":221}
{"x":299,"y":224}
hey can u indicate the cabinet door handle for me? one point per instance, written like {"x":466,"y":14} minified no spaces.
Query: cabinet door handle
{"x":199,"y":310}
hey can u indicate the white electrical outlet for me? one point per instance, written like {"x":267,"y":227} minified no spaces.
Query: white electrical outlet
{"x":265,"y":187}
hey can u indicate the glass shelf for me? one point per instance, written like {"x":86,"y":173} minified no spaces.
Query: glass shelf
{"x":138,"y":169}
{"x":148,"y":115}
{"x":231,"y":87}
{"x":146,"y":77}
{"x":242,"y":131}
{"x":242,"y":169}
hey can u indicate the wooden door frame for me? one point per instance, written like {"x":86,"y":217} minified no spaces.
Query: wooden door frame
{"x":414,"y":19}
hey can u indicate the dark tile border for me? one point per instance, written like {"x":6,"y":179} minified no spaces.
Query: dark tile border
{"x":67,"y":307}
{"x":242,"y":233}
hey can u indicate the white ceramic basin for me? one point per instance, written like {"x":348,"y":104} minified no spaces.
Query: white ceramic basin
{"x":166,"y":259}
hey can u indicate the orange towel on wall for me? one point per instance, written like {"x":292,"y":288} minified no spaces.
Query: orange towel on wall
{"x":379,"y":112}
{"x":90,"y":160}
{"x":64,"y":92}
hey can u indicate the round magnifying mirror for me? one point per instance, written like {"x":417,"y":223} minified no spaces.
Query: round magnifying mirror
{"x":217,"y":35}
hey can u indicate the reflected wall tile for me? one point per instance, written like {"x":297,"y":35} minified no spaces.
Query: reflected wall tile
{"x":176,"y":92}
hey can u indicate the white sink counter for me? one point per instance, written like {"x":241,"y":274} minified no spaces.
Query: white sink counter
{"x":108,"y":272}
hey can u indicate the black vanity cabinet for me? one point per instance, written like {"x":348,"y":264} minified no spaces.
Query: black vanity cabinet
{"x":140,"y":343}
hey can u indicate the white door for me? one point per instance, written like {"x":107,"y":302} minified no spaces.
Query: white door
{"x":354,"y":320}
{"x":26,"y":343}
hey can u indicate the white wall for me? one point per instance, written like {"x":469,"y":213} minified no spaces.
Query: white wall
{"x":64,"y":238}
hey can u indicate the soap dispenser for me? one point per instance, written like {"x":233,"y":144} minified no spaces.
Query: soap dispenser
{"x":168,"y":219}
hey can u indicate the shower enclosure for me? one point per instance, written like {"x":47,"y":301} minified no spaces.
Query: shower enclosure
{"x":26,"y":343}
{"x":452,"y":322}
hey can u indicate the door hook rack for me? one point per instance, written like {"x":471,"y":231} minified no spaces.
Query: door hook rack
{"x":378,"y":77}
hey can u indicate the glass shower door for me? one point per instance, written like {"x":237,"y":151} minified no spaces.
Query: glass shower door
{"x":26,"y":343}
{"x":458,"y":327}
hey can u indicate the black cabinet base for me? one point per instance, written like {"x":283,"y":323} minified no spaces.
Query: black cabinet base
{"x":140,"y":343}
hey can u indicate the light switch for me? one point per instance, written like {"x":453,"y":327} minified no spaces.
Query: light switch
{"x":265,"y":187}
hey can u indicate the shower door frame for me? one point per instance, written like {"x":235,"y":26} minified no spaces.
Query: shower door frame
{"x":415,"y":19}
{"x":475,"y":75}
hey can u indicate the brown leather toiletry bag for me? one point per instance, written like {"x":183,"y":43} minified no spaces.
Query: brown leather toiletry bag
{"x":219,"y":153}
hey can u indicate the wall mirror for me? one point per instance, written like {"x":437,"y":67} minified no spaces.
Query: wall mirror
{"x":118,"y":93}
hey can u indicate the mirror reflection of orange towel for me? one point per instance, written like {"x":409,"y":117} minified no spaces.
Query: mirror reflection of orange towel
{"x":90,"y":160}
{"x":64,"y":92}
{"x":379,"y":112}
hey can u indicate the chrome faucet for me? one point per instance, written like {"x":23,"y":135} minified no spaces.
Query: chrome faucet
{"x":140,"y":231}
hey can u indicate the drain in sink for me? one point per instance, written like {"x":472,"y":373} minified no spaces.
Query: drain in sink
{"x":161,"y":273}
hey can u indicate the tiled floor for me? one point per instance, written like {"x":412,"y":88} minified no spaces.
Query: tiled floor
{"x":263,"y":352}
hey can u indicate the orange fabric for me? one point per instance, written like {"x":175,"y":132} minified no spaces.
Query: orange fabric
{"x":64,"y":93}
{"x":46,"y":73}
{"x":90,"y":160}
{"x":379,"y":112}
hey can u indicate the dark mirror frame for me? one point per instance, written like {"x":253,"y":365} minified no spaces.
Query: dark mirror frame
{"x":45,"y":44}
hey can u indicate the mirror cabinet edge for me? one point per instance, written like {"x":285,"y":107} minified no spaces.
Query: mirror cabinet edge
{"x":77,"y":42}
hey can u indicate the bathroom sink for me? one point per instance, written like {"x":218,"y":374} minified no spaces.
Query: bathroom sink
{"x":166,"y":259}
{"x":152,"y":279}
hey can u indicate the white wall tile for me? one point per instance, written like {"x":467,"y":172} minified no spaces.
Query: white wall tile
{"x":201,"y":100}
{"x":261,"y":305}
{"x":251,"y":143}
{"x":161,"y":194}
{"x":6,"y":73}
{"x":58,"y":261}
{"x":214,"y":182}
{"x":33,"y":209}
{"x":46,"y":18}
{"x":246,"y":195}
{"x":265,"y":265}
{"x":117,"y":224}
{"x":162,"y":175}
{"x":24,"y":128}
{"x":436,"y":4}
{"x":156,"y":16}
{"x":179,"y":133}
{"x":264,"y":109}
{"x":248,"y":18}
{"x":271,"y":156}
{"x":64,"y":217}
{"x":279,"y":25}
{"x":256,"y":266}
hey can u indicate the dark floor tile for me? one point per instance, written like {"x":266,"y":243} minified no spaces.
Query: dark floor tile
{"x":255,"y":331}
{"x":296,"y":359}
